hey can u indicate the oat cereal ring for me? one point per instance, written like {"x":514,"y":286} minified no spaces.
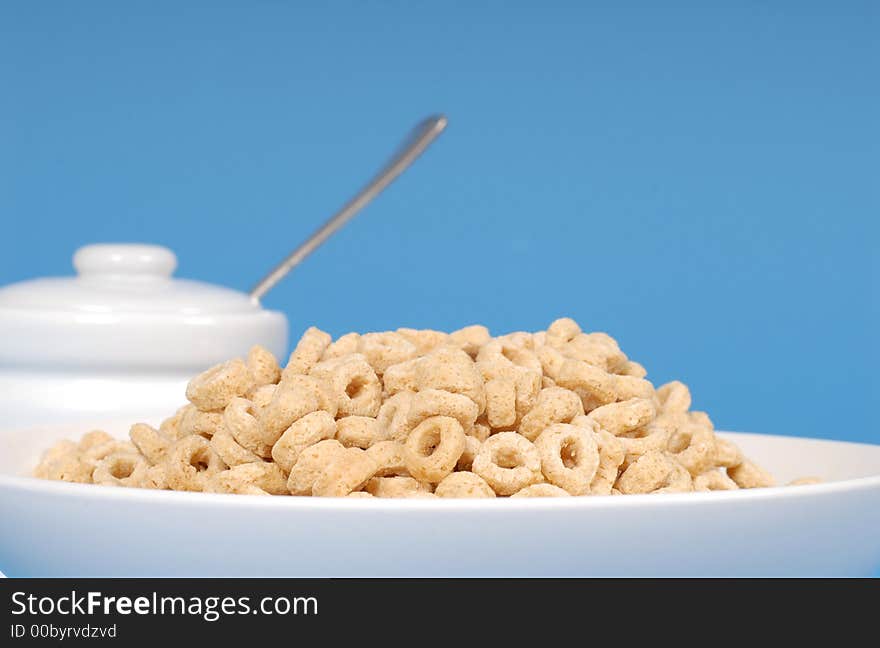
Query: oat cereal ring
{"x":611,"y":456}
{"x":195,"y":421}
{"x":648,"y":473}
{"x":390,"y":459}
{"x":433,"y":448}
{"x":561,"y":331}
{"x":307,"y":431}
{"x":170,"y":427}
{"x":470,"y":338}
{"x":127,"y":469}
{"x":714,"y":480}
{"x":321,"y":389}
{"x":569,"y":457}
{"x":652,"y":438}
{"x":451,"y":369}
{"x":190,"y":462}
{"x":749,"y":475}
{"x":63,"y":448}
{"x":69,"y":467}
{"x":678,"y":481}
{"x":385,"y":349}
{"x":308,"y":352}
{"x":213,"y":389}
{"x":96,"y":453}
{"x":155,"y":478}
{"x":231,"y":451}
{"x":501,"y":402}
{"x":150,"y":442}
{"x":350,"y":471}
{"x":401,"y":377}
{"x":463,"y":485}
{"x":309,"y":465}
{"x":674,"y":397}
{"x":693,"y":446}
{"x":228,"y":482}
{"x":541,"y":490}
{"x":481,"y":431}
{"x":359,"y":495}
{"x":261,"y":397}
{"x":290,"y":401}
{"x":630,"y":368}
{"x":597,"y":387}
{"x":437,"y":402}
{"x":93,"y":439}
{"x":345,"y":345}
{"x":263,"y":366}
{"x":472,"y":447}
{"x":625,"y":416}
{"x":395,"y":487}
{"x":359,"y":431}
{"x":356,"y":387}
{"x":551,"y":361}
{"x":267,"y":477}
{"x":425,"y":340}
{"x":239,"y":419}
{"x":393,"y":416}
{"x":555,"y":405}
{"x":508,"y":462}
{"x":506,"y":353}
{"x":727,"y":455}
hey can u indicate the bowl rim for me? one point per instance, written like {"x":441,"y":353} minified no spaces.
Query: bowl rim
{"x":33,"y":485}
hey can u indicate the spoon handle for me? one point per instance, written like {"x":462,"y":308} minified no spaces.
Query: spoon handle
{"x":411,"y":148}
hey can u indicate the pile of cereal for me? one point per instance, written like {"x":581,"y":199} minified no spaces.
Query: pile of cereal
{"x":420,"y":413}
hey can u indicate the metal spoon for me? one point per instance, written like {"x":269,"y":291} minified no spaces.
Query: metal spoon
{"x":411,"y":148}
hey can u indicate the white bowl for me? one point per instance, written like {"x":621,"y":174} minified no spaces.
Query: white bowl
{"x":833,"y":528}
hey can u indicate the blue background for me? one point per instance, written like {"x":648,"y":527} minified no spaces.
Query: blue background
{"x":699,"y":181}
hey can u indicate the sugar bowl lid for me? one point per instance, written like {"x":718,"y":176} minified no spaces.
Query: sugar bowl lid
{"x":125,"y":309}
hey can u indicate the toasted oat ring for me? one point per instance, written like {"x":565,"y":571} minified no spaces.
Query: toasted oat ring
{"x":349,"y":472}
{"x":127,"y":469}
{"x":356,"y":386}
{"x":562,"y":330}
{"x":383,"y":350}
{"x":611,"y":456}
{"x":307,"y":431}
{"x":231,"y":451}
{"x":194,"y":421}
{"x":727,"y":454}
{"x":541,"y":490}
{"x":213,"y":389}
{"x":555,"y":405}
{"x":310,"y":463}
{"x":569,"y":457}
{"x":501,"y":402}
{"x":263,"y":366}
{"x":508,"y":462}
{"x":463,"y":485}
{"x":308,"y":352}
{"x":265,"y":477}
{"x":239,"y":419}
{"x":714,"y":480}
{"x":749,"y":475}
{"x":190,"y":463}
{"x":359,"y":431}
{"x":151,"y":443}
{"x":693,"y":447}
{"x":395,"y":486}
{"x":393,"y":416}
{"x":437,"y":402}
{"x":390,"y":458}
{"x":674,"y":397}
{"x":433,"y":448}
{"x":625,"y":416}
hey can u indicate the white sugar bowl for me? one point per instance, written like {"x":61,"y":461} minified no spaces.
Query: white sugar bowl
{"x":121,"y":339}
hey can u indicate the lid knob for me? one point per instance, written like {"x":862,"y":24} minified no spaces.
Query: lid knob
{"x":127,"y":259}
